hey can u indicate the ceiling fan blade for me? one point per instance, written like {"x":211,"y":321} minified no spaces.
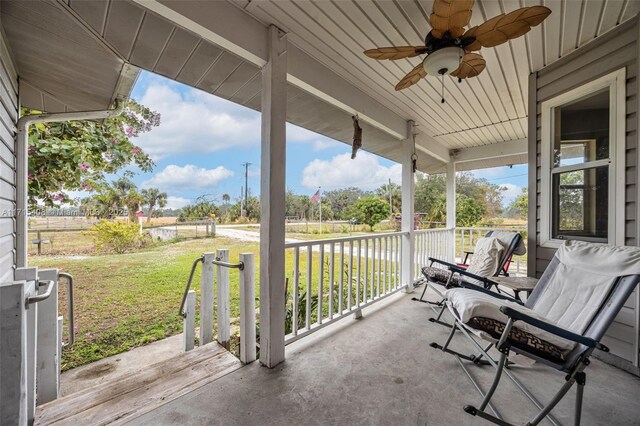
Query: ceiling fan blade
{"x":414,"y":76}
{"x":472,"y":64}
{"x":505,"y":27}
{"x":450,"y":15}
{"x":393,"y":53}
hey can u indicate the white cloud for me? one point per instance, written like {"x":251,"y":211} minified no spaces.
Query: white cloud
{"x":195,"y":122}
{"x":341,"y":171}
{"x":187,"y":177}
{"x":177,"y":202}
{"x":322,"y":144}
{"x":299,"y":134}
{"x":510,"y":193}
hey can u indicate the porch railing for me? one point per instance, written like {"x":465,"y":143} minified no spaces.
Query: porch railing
{"x":218,"y":266}
{"x":330,"y":279}
{"x":466,"y":238}
{"x":438,"y":243}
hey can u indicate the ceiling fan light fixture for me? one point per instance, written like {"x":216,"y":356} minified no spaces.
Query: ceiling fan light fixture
{"x":443,"y":61}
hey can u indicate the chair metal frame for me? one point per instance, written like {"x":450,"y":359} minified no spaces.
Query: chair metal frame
{"x":454,"y":268}
{"x":576,"y":361}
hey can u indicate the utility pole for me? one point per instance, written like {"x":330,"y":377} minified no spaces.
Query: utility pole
{"x":246,"y":189}
{"x":320,"y":207}
{"x":390,"y":202}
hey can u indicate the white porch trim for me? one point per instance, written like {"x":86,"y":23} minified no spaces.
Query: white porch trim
{"x":485,"y":152}
{"x":219,"y":22}
{"x":451,"y":200}
{"x":272,"y":196}
{"x":408,"y":210}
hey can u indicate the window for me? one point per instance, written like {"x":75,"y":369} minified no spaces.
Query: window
{"x":582,"y":180}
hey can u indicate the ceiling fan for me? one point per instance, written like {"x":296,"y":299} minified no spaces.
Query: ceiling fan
{"x":450,"y":49}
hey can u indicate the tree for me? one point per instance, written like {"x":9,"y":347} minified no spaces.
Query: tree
{"x":468,"y":211}
{"x":202,"y":209}
{"x":430,"y":197}
{"x":226,"y":198}
{"x":127,"y":195}
{"x":395,"y":191}
{"x":78,"y":155}
{"x":519,"y":206}
{"x":371,"y":210}
{"x":342,"y":199}
{"x":153,"y":197}
{"x":296,"y":205}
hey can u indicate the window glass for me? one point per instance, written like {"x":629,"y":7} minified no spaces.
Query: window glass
{"x":581,"y":130}
{"x":581,"y":203}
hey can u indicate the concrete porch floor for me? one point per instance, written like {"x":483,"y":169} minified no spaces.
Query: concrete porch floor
{"x":381,"y":370}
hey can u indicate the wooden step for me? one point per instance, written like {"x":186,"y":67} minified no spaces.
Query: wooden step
{"x":124,"y":399}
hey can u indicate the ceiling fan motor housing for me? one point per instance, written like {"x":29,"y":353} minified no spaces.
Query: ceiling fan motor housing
{"x":443,"y":61}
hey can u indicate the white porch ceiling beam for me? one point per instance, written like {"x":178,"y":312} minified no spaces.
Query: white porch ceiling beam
{"x":430,"y":146}
{"x":484,"y":152}
{"x":234,"y":30}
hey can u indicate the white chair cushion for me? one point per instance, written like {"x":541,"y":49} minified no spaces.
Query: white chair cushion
{"x":506,"y":237}
{"x":486,"y":257}
{"x":466,"y":304}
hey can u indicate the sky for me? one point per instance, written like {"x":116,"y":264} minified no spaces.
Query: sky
{"x":203,"y":141}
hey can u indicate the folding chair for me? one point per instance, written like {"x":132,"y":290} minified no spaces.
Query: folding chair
{"x":449,"y":275}
{"x":560,"y":325}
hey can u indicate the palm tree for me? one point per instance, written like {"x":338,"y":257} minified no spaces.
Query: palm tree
{"x":126,"y":194}
{"x":153,"y":197}
{"x":226,"y":198}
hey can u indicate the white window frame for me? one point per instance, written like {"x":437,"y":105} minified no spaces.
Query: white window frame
{"x":615,"y":81}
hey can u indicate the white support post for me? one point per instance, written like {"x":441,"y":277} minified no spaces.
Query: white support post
{"x":408,"y":213}
{"x":189,"y":322}
{"x":451,"y":203}
{"x":13,"y":352}
{"x":49,"y":342}
{"x":30,"y":275}
{"x":222,"y":275}
{"x":272,"y":200}
{"x":247,"y":309}
{"x":206,"y":300}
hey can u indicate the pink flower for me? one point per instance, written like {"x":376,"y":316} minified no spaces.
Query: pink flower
{"x":84,"y":166}
{"x":114,"y":141}
{"x":30,"y":176}
{"x":136,"y":151}
{"x":58,"y":197}
{"x":31,"y":150}
{"x":86,"y":186}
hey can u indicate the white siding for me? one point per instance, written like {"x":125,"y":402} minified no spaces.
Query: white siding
{"x":607,"y":53}
{"x":8,"y":118}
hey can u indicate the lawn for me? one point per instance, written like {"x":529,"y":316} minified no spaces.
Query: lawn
{"x":128,"y":300}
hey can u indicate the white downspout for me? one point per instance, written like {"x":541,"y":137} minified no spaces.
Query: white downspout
{"x":23,"y":165}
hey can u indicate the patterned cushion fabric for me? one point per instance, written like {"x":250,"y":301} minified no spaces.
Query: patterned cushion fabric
{"x":519,"y":339}
{"x":440,"y":276}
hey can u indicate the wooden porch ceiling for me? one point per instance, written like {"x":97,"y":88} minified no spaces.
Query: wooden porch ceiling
{"x":98,"y":39}
{"x":479,"y":111}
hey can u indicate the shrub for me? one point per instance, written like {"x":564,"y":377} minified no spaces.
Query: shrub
{"x":119,"y":237}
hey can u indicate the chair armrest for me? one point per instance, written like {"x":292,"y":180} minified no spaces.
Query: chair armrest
{"x":487,"y":282}
{"x":500,"y":296}
{"x":442,"y":262}
{"x":554,"y":329}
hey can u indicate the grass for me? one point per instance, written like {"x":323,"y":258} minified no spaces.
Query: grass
{"x":125,"y":301}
